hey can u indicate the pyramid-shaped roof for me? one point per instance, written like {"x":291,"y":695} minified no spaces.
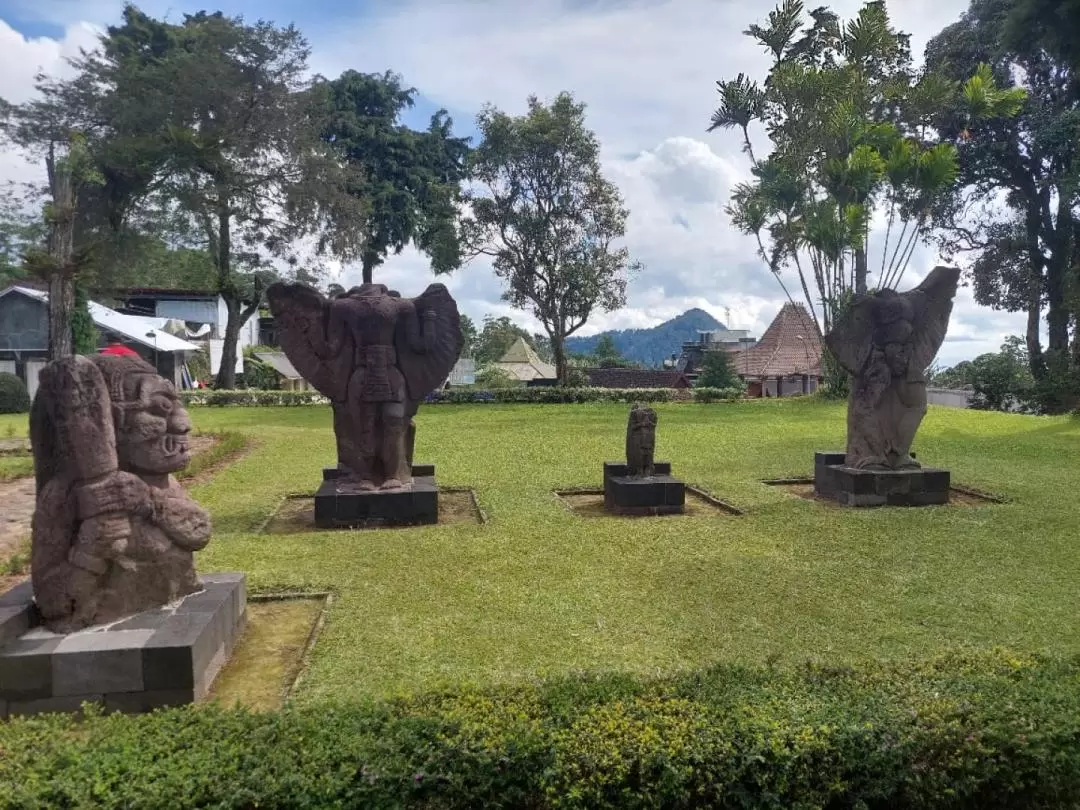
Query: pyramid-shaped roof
{"x":522,"y":363}
{"x":791,"y":345}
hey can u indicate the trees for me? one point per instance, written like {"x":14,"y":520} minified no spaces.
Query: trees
{"x":1013,"y":209}
{"x":547,"y":217}
{"x":469,"y":336}
{"x":63,"y":128}
{"x":607,"y":354}
{"x":218,"y":114}
{"x":850,"y":124}
{"x":717,"y":371}
{"x":496,"y":337}
{"x":411,"y":180}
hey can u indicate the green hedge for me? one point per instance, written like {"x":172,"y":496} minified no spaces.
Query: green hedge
{"x":991,"y":730}
{"x":14,"y":397}
{"x":460,"y":396}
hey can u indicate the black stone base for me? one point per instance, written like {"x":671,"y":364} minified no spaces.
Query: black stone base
{"x":926,"y":486}
{"x":338,"y":507}
{"x":163,"y":657}
{"x":659,"y":494}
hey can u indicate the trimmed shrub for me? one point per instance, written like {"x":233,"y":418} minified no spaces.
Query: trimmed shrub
{"x":986,"y":730}
{"x":14,"y":398}
{"x":551,"y":395}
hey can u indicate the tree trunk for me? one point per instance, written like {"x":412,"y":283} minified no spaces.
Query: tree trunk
{"x":226,"y":378}
{"x":368,"y":263}
{"x":558,"y":351}
{"x":61,"y":249}
{"x":61,"y":307}
{"x":861,"y":271}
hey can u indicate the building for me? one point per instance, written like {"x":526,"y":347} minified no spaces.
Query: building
{"x":636,"y":378}
{"x":693,"y":352}
{"x":463,"y":373}
{"x":204,"y":313}
{"x":522,"y":363}
{"x":24,"y":336}
{"x":787,"y":359}
{"x":289,"y":378}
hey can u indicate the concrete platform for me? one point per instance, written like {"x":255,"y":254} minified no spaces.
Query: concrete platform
{"x":924,"y":486}
{"x":338,"y":507}
{"x":657,"y":494}
{"x":164,"y":657}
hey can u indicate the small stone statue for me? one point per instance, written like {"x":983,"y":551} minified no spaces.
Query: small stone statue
{"x":113,"y":531}
{"x":375,"y":356}
{"x":887,"y":340}
{"x":640,"y":441}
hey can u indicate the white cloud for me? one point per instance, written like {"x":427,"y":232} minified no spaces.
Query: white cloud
{"x":647,"y":70}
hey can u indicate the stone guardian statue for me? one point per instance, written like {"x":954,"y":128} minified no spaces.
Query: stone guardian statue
{"x":113,"y":531}
{"x":375,"y":356}
{"x":640,"y":441}
{"x":886,"y":341}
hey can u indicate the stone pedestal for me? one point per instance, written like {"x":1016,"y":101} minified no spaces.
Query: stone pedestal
{"x":925,"y":486}
{"x":658,"y":494}
{"x":168,"y":656}
{"x":340,"y":506}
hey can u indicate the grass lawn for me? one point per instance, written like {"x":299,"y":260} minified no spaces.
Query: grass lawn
{"x":538,"y":590}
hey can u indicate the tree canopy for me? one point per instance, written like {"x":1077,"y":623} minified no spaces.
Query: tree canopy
{"x":1013,"y":209}
{"x":409,"y":182}
{"x":850,"y":125}
{"x":547,"y":218}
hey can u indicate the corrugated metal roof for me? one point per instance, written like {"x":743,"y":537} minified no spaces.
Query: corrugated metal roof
{"x":140,"y":330}
{"x":280,"y":363}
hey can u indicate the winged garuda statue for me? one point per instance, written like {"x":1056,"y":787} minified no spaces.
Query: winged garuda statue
{"x":375,"y":356}
{"x":887,"y":340}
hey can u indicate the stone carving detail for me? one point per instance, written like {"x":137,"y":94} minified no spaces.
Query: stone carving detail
{"x":375,"y":356}
{"x":113,"y":531}
{"x":640,"y":441}
{"x":887,"y":340}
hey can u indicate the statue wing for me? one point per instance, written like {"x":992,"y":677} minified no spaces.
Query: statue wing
{"x":932,"y":303}
{"x":300,"y":313}
{"x":851,"y":336}
{"x":426,"y":371}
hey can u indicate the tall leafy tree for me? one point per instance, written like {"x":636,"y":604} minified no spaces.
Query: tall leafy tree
{"x":469,"y":335}
{"x":496,"y":337}
{"x":19,"y":233}
{"x":221,"y":116}
{"x":1014,"y":208}
{"x":849,"y":122}
{"x":548,"y":219}
{"x":411,"y":179}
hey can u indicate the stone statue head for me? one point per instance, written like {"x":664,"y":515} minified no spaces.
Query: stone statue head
{"x":151,"y":425}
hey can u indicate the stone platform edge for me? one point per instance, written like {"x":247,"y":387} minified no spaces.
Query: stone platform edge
{"x":168,"y":656}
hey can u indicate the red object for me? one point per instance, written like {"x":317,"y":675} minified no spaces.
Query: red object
{"x":119,"y":349}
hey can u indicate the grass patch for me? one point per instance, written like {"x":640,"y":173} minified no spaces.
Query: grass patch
{"x":268,"y":657}
{"x":12,"y":467}
{"x":227,"y":446}
{"x":18,"y":563}
{"x":590,"y":503}
{"x":537,"y":590}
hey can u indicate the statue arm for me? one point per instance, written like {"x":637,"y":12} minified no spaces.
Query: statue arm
{"x":337,"y":329}
{"x":419,"y":328}
{"x":185,"y":522}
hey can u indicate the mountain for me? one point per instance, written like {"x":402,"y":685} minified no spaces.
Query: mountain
{"x":651,"y":347}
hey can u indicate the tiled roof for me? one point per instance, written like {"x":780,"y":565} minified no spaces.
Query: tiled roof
{"x":522,"y":363}
{"x":635,"y":378}
{"x":791,"y":345}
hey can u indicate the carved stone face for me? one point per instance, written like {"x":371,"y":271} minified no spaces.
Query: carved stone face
{"x":898,"y":356}
{"x":152,"y":428}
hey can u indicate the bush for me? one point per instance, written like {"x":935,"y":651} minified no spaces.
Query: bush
{"x":14,"y":398}
{"x":462,"y":396}
{"x":990,"y":730}
{"x":706,"y":394}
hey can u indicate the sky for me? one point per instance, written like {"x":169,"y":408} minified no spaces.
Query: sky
{"x":647,"y":69}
